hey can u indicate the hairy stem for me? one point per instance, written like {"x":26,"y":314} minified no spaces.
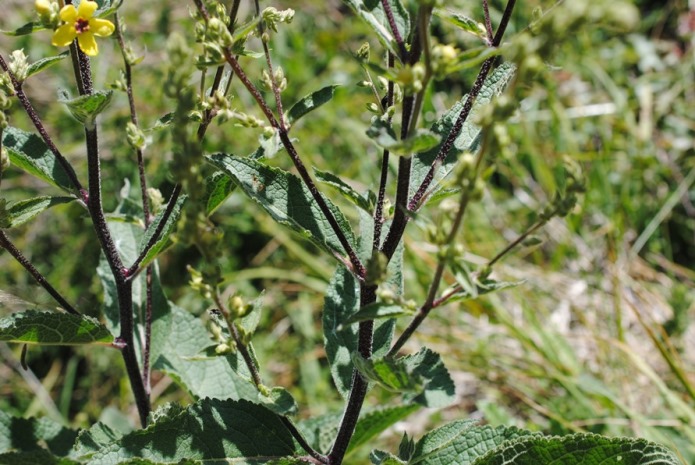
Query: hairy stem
{"x":36,"y":274}
{"x":38,"y":124}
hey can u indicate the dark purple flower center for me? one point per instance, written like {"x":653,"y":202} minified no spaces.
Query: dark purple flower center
{"x":81,"y":25}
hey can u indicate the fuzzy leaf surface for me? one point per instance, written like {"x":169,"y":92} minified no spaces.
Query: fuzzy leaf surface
{"x":34,"y":434}
{"x":18,"y":213}
{"x":461,"y":442}
{"x":344,"y":188}
{"x":375,"y":422}
{"x":287,"y":200}
{"x":163,"y":241}
{"x":43,"y":63}
{"x":29,"y":152}
{"x":211,"y":431}
{"x":422,"y":377}
{"x":377,"y":311}
{"x":53,"y":328}
{"x":310,"y":103}
{"x":468,"y":139}
{"x":579,"y":449}
{"x":86,"y":108}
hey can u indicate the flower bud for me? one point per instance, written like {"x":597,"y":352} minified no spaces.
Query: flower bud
{"x":19,"y":65}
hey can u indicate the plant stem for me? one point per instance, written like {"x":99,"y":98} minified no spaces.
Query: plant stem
{"x":38,"y":124}
{"x":40,"y":279}
{"x":357,"y":266}
{"x":133,"y":270}
{"x":394,"y":29}
{"x":379,"y":211}
{"x":488,"y":22}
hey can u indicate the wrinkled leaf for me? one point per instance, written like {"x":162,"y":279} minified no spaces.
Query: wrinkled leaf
{"x":164,"y":240}
{"x":286,"y":199}
{"x":43,"y":63}
{"x":375,"y":422}
{"x":219,"y":187}
{"x":422,"y":377}
{"x":211,"y":430}
{"x":29,"y":434}
{"x":467,"y":140}
{"x":20,"y":212}
{"x":52,"y":328}
{"x":578,"y":449}
{"x":29,"y":152}
{"x":461,"y":442}
{"x":86,"y":108}
{"x":310,"y":103}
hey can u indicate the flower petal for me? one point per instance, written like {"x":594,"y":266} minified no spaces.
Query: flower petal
{"x":68,"y":14}
{"x":87,"y":43}
{"x":101,"y":27}
{"x":64,"y":35}
{"x":86,"y":9}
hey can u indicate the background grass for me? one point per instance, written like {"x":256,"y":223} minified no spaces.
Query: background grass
{"x":599,"y":336}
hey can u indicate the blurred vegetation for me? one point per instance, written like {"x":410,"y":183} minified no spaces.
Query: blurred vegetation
{"x":599,"y":336}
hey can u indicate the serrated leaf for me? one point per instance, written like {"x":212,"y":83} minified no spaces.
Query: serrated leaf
{"x":28,"y":28}
{"x":463,"y":22}
{"x":43,"y":63}
{"x":86,"y":108}
{"x":27,"y":434}
{"x":422,"y":377}
{"x":163,"y":241}
{"x":377,"y":311}
{"x":210,"y":430}
{"x":52,"y":328}
{"x":310,"y":103}
{"x":379,"y":457}
{"x":578,"y":449}
{"x":18,"y":213}
{"x":34,"y":457}
{"x":91,"y":440}
{"x":29,"y":152}
{"x":382,"y":134}
{"x":461,"y":442}
{"x":286,"y":199}
{"x":467,"y":140}
{"x":375,"y":16}
{"x":344,"y":188}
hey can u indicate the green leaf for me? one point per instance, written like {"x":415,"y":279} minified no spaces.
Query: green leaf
{"x":377,"y":311}
{"x":34,"y":457}
{"x":467,"y":140}
{"x":379,"y":457}
{"x":31,"y":434}
{"x":220,"y":377}
{"x":43,"y":63}
{"x":377,"y":421}
{"x":86,"y":108}
{"x":219,"y":187}
{"x":28,"y":28}
{"x":422,"y":377}
{"x":52,"y":328}
{"x":20,"y":212}
{"x":474,"y":288}
{"x":286,"y":199}
{"x":375,"y":16}
{"x":96,"y":437}
{"x":310,"y":103}
{"x":578,"y":449}
{"x":382,"y":133}
{"x":462,"y":442}
{"x":319,"y":431}
{"x":463,"y":22}
{"x":348,"y":192}
{"x":29,"y":152}
{"x":163,"y":241}
{"x":211,"y":430}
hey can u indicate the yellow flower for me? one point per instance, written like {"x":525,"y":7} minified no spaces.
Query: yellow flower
{"x":80,"y":24}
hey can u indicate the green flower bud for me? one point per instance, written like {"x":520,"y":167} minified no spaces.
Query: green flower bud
{"x":362,"y":54}
{"x":136,"y":138}
{"x":156,"y":199}
{"x":272,"y":17}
